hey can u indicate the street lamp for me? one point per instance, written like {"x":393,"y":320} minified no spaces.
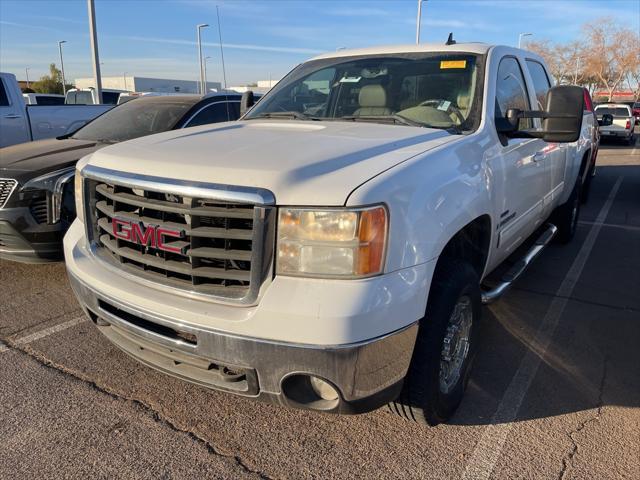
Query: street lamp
{"x":26,"y":70}
{"x":64,"y":83}
{"x":419,"y":20}
{"x":520,"y":37}
{"x":205,"y":75}
{"x":199,"y":27}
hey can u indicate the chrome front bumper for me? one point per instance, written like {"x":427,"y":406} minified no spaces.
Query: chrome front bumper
{"x":366,"y":374}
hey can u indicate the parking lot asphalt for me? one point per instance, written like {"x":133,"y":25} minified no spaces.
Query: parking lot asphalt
{"x":554,"y":392}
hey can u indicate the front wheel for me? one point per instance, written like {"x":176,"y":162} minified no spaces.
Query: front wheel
{"x":445,"y":346}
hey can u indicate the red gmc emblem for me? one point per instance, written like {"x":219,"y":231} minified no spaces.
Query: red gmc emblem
{"x":149,"y":235}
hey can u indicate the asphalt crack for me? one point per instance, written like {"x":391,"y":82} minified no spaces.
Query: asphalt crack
{"x":567,"y":461}
{"x":157,"y":416}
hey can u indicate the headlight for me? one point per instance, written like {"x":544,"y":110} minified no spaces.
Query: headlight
{"x":344,"y":243}
{"x":78,"y":193}
{"x":52,"y":183}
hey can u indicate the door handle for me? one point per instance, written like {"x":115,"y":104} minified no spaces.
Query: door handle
{"x":12,"y":115}
{"x":538,"y":157}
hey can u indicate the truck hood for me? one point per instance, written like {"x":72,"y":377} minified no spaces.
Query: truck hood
{"x":301,"y":162}
{"x":27,"y":160}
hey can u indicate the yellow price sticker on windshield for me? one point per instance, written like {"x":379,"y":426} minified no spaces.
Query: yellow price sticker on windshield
{"x":453,"y":64}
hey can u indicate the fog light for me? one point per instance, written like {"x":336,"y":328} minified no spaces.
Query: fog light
{"x":323,"y":389}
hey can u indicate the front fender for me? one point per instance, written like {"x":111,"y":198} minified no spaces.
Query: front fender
{"x":430,"y":198}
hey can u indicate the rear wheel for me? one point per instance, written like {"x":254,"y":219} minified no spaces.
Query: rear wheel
{"x":445,"y":347}
{"x":565,"y":217}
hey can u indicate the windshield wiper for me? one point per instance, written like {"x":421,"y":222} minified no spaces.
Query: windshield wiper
{"x":388,"y":118}
{"x":289,"y":114}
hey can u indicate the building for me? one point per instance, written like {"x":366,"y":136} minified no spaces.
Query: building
{"x":261,"y":86}
{"x":130,"y":83}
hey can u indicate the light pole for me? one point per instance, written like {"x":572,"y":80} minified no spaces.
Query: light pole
{"x":26,"y":70}
{"x":205,"y":75}
{"x":198,"y":28}
{"x":419,"y":20}
{"x":64,"y":83}
{"x":575,"y":81}
{"x":93,"y":35}
{"x":520,"y":37}
{"x":124,"y":78}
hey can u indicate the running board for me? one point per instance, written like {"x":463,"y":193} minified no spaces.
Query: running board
{"x":490,"y":295}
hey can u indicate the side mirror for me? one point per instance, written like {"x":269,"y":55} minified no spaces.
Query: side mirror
{"x":246,"y":102}
{"x":561,"y":119}
{"x":606,"y":120}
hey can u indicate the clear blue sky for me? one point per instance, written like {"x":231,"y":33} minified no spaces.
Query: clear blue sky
{"x":262,"y":38}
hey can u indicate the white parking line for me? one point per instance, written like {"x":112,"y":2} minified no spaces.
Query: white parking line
{"x":489,"y":447}
{"x":631,"y":228}
{"x":44,"y":333}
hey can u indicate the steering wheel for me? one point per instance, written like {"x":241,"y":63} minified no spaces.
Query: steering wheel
{"x":451,"y":107}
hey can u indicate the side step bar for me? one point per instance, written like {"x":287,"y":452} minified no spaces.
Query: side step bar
{"x":489,"y":296}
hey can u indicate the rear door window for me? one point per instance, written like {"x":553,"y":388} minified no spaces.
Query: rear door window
{"x":215,"y":113}
{"x":541,"y":82}
{"x":4,"y":99}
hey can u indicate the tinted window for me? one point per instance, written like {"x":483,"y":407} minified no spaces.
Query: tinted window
{"x":83,"y":98}
{"x":216,"y":112}
{"x":615,"y":111}
{"x":110,"y":98}
{"x":540,"y":82}
{"x":4,"y":100}
{"x":46,"y":100}
{"x":511,"y":90}
{"x":133,"y":120}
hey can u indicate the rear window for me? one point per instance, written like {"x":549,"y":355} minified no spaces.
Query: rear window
{"x":4,"y":100}
{"x":615,"y":111}
{"x":47,"y":100}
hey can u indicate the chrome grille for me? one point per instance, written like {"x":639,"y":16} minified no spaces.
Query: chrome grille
{"x":7,"y":186}
{"x":223,"y":250}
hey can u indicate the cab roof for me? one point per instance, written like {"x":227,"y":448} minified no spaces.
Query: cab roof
{"x":471,"y":47}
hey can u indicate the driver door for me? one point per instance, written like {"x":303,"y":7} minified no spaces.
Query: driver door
{"x":525,"y":165}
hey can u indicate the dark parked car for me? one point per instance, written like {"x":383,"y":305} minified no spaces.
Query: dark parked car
{"x":36,"y":178}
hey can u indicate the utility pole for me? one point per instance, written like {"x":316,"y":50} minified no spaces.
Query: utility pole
{"x":124,"y":78}
{"x":26,"y":70}
{"x":198,"y":28}
{"x":64,"y":82}
{"x":418,"y":21}
{"x":93,"y":35}
{"x":575,"y":81}
{"x":224,"y":73}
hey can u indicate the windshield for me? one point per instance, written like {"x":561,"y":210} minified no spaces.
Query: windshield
{"x":132,"y":120}
{"x":615,"y":111}
{"x":425,"y":89}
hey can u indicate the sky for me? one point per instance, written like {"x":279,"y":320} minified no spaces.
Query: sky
{"x":266,"y":38}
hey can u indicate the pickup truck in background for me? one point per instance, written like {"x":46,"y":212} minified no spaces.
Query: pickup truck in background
{"x":43,"y":99}
{"x":88,"y":96}
{"x":21,"y":123}
{"x":332,"y":249}
{"x":623,"y":124}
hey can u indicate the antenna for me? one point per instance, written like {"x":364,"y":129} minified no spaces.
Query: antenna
{"x":224,"y":74}
{"x":450,"y":40}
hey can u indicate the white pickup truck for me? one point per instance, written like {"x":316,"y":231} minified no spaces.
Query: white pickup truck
{"x":623,"y":123}
{"x":332,"y":249}
{"x":21,"y":123}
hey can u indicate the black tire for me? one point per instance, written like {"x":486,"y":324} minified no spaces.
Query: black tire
{"x":586,"y":187}
{"x":631,"y":139}
{"x":422,"y":399}
{"x":565,"y":217}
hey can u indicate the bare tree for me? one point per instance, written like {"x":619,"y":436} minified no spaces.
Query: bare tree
{"x":610,"y":53}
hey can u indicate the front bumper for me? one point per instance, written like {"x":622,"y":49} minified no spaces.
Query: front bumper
{"x":366,"y":375}
{"x":23,"y":239}
{"x":356,"y":335}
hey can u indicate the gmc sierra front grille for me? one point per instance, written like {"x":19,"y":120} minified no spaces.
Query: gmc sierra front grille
{"x":200,"y":245}
{"x":6,"y":187}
